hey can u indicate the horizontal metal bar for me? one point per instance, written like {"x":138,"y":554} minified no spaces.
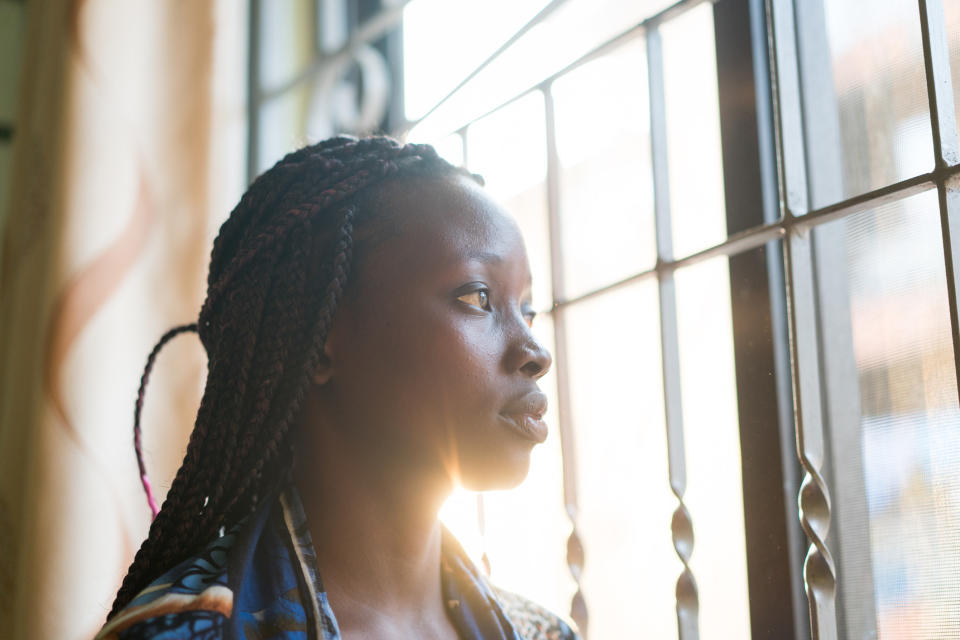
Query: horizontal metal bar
{"x":872,"y":199}
{"x":370,"y":31}
{"x":743,"y":241}
{"x":737,"y":243}
{"x":757,"y":236}
{"x":623,"y":37}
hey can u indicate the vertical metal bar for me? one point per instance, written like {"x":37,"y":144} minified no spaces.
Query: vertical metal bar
{"x":681,"y":526}
{"x":316,"y":38}
{"x":825,"y":150}
{"x":769,"y":467}
{"x":813,"y":500}
{"x":464,"y":147}
{"x":253,"y":90}
{"x":785,"y":87}
{"x":482,"y":526}
{"x":575,"y":553}
{"x":764,"y":74}
{"x":936,"y":58}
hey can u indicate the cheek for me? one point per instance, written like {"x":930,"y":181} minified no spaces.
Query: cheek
{"x":453,"y":368}
{"x":431,"y":395}
{"x":423,"y":371}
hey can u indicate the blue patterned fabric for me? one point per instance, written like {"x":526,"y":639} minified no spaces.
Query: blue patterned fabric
{"x":260,"y":580}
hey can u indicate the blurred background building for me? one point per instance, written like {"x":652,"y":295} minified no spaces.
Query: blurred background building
{"x":742,"y":220}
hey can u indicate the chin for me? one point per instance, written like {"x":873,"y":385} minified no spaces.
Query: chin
{"x":505,"y":471}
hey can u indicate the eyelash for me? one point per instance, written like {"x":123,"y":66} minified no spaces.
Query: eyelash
{"x":485,"y":294}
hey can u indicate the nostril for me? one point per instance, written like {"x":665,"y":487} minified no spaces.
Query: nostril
{"x":532,"y":368}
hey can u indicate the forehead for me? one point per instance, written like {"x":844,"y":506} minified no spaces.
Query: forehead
{"x":440,"y":221}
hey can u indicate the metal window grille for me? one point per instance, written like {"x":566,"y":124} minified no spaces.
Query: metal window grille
{"x":766,"y":72}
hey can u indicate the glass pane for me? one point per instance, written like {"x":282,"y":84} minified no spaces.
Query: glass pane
{"x":286,"y":38}
{"x":606,"y":190}
{"x":333,"y":24}
{"x":283,"y":123}
{"x":616,"y":404}
{"x":527,"y":527}
{"x":952,"y":11}
{"x":711,"y":429}
{"x":430,"y":26}
{"x":571,"y":31}
{"x":864,"y":87}
{"x":451,"y":149}
{"x":693,"y":132}
{"x":509,"y":149}
{"x":891,"y":394}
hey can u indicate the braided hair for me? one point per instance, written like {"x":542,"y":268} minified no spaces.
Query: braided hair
{"x":278,"y":270}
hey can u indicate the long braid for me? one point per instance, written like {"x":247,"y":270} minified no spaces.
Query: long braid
{"x":278,"y":270}
{"x":138,"y":408}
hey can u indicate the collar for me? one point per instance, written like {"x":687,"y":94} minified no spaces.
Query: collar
{"x":274,"y":560}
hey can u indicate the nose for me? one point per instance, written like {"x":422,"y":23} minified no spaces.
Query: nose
{"x":535,"y":359}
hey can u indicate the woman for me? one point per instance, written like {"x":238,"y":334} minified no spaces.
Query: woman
{"x":367,"y":325}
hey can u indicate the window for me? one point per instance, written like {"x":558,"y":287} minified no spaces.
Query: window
{"x":742,"y":220}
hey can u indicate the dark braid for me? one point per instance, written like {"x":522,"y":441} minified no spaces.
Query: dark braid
{"x":278,"y":270}
{"x":138,"y":408}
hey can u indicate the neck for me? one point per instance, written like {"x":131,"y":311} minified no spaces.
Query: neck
{"x":375,"y":530}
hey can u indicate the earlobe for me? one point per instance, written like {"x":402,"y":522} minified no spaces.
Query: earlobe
{"x":324,"y":370}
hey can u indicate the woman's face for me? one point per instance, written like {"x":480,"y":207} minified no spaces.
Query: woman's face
{"x":431,"y":360}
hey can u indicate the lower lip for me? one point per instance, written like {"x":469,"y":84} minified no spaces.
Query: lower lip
{"x":529,"y":426}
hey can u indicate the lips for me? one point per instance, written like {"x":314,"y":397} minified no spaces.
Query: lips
{"x":525,"y":414}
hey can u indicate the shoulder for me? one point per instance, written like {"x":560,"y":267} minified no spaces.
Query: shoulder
{"x":191,"y":600}
{"x":533,"y":621}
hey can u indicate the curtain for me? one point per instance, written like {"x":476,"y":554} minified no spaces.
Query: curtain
{"x":128,"y":154}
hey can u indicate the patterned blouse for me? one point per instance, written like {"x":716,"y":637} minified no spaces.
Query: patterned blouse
{"x":260,"y":580}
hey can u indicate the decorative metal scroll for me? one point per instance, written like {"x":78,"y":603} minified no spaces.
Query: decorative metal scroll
{"x":337,"y":104}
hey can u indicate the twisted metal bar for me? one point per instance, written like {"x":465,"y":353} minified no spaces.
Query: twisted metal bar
{"x":819,"y":572}
{"x":575,"y":551}
{"x":688,"y":600}
{"x":578,"y":605}
{"x":681,"y":525}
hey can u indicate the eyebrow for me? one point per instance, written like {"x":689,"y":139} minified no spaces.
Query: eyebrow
{"x":485,"y":256}
{"x":495,"y":258}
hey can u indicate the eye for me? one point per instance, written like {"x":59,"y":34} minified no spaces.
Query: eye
{"x":478,"y":298}
{"x":529,"y":314}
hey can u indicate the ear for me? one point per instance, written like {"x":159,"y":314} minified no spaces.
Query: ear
{"x":324,"y":369}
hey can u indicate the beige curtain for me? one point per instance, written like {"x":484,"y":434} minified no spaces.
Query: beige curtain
{"x":128,"y":155}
